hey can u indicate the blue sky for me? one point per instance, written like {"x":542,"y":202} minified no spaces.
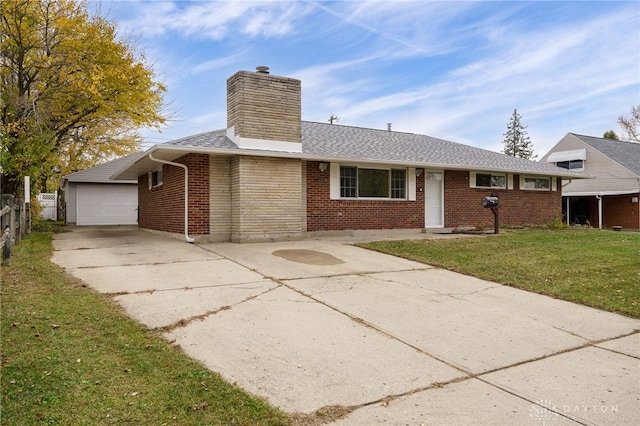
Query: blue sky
{"x":454,"y":70}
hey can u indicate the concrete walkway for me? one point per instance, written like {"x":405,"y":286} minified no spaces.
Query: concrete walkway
{"x":321,"y":323}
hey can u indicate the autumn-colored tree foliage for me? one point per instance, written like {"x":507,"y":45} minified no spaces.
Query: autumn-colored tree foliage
{"x":72,"y":93}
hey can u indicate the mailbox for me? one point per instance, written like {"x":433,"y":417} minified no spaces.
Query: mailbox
{"x":490,"y":201}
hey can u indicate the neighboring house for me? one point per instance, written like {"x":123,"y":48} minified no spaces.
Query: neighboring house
{"x":91,"y":198}
{"x":611,"y":198}
{"x":271,"y":176}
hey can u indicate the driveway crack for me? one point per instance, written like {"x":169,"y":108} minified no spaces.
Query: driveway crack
{"x":201,"y":317}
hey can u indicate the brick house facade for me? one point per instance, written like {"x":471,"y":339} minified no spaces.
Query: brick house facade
{"x":270,"y":176}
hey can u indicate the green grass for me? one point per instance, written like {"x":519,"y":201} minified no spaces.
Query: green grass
{"x":71,"y":357}
{"x":595,"y":268}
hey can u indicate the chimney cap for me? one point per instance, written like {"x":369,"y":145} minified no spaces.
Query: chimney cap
{"x":262,"y":69}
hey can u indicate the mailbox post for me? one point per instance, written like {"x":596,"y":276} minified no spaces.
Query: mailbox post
{"x":492,"y":203}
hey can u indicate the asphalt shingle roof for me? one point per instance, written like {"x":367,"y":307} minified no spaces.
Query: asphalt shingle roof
{"x":627,"y":154}
{"x":357,"y":144}
{"x":102,"y":172}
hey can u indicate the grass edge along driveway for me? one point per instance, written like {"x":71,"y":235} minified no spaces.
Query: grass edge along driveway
{"x":70,"y":356}
{"x":596,"y":268}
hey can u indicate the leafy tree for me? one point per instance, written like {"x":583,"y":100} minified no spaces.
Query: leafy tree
{"x":71,"y":93}
{"x":516,"y":141}
{"x":610,"y":134}
{"x":631,"y":124}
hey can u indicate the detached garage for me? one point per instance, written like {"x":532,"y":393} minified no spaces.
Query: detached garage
{"x":91,"y":198}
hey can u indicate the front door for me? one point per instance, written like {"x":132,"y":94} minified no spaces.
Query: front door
{"x":433,"y":198}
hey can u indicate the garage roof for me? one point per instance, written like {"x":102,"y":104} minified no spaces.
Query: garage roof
{"x":102,"y":172}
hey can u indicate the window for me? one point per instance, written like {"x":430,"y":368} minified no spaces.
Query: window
{"x":358,"y":182}
{"x":398,"y":183}
{"x":155,"y":179}
{"x":490,"y":181}
{"x":571,"y":165}
{"x":537,"y":183}
{"x":348,"y":182}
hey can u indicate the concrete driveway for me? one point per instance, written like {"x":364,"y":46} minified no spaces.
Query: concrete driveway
{"x":320,"y":323}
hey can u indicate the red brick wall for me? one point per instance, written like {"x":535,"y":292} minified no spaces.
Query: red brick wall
{"x":162,"y":208}
{"x":618,"y":210}
{"x":324,"y":214}
{"x":463,"y":205}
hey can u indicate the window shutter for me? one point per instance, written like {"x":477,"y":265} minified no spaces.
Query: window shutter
{"x":150,"y":179}
{"x":334,"y":181}
{"x":472,"y":179}
{"x":411,"y":184}
{"x":521,"y":181}
{"x":554,"y":183}
{"x":510,"y":181}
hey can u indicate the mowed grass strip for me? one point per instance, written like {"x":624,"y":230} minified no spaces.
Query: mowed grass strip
{"x":70,"y":357}
{"x":592,"y":267}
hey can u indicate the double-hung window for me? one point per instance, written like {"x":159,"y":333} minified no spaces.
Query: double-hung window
{"x":360,"y":182}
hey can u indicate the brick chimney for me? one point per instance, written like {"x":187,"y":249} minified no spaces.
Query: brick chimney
{"x":264,"y":111}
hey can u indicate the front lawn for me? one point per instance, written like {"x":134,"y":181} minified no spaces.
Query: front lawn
{"x":592,"y":267}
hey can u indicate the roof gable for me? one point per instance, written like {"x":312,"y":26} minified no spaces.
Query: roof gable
{"x":627,"y":154}
{"x":102,"y":172}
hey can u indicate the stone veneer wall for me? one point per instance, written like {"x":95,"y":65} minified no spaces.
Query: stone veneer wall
{"x":266,"y":199}
{"x":220,"y":198}
{"x":264,"y":106}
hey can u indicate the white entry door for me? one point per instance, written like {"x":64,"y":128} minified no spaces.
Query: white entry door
{"x":434,"y":199}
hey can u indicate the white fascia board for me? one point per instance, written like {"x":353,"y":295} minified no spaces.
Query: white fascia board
{"x":263,"y":144}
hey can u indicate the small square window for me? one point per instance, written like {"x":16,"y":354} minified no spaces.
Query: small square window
{"x":155,"y":179}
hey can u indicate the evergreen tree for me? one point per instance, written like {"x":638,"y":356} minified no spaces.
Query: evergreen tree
{"x":516,"y":141}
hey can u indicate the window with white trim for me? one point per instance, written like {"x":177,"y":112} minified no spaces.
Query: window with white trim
{"x":360,"y":182}
{"x":155,"y":179}
{"x":571,"y":164}
{"x":488,"y":180}
{"x":536,"y":183}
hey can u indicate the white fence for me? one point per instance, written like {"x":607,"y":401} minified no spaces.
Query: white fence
{"x":49,"y":203}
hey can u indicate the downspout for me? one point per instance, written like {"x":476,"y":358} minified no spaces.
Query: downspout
{"x":568,"y":203}
{"x":599,"y":198}
{"x":186,"y":194}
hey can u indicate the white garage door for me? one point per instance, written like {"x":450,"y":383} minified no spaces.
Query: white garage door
{"x":108,"y":204}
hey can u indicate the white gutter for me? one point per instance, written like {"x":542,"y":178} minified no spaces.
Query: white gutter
{"x":186,"y":194}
